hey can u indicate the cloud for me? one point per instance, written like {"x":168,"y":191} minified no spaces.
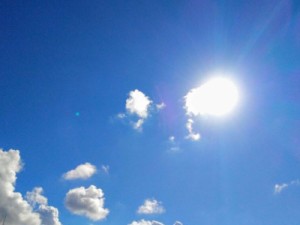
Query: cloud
{"x":178,"y":223}
{"x":160,"y":106}
{"x":87,"y":202}
{"x":278,"y":188}
{"x":151,"y":206}
{"x":145,"y":222}
{"x":83,"y":171}
{"x":48,"y":214}
{"x":172,"y":139}
{"x":17,"y":210}
{"x":173,"y":145}
{"x":138,"y":103}
{"x":138,"y":124}
{"x":192,"y":135}
{"x":121,"y":115}
{"x":139,"y":106}
{"x":105,"y":169}
{"x":35,"y":197}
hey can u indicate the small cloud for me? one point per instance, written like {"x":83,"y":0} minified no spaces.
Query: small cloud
{"x":105,"y":169}
{"x":138,"y":124}
{"x":83,"y":171}
{"x":121,"y":115}
{"x":138,"y":107}
{"x":160,"y":106}
{"x":138,"y":103}
{"x":88,"y":202}
{"x":146,"y":222}
{"x":178,"y":223}
{"x":191,"y":135}
{"x":173,"y":145}
{"x":174,"y":149}
{"x":278,"y":188}
{"x":151,"y":206}
{"x":172,"y":139}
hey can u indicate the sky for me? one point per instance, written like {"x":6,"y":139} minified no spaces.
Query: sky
{"x":96,"y":124}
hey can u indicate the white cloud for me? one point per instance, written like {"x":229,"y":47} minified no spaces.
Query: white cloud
{"x":145,"y":222}
{"x":121,"y":115}
{"x":218,"y":96}
{"x":87,"y":202}
{"x":105,"y":169}
{"x":138,"y":124}
{"x":192,"y":135}
{"x":139,"y":106}
{"x":172,"y":139}
{"x":278,"y":188}
{"x":35,"y":197}
{"x":17,"y":210}
{"x":178,"y":223}
{"x":138,"y":103}
{"x":83,"y":171}
{"x":160,"y":106}
{"x":48,"y":214}
{"x":151,"y":206}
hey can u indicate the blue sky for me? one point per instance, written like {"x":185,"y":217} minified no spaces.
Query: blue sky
{"x":68,"y":73}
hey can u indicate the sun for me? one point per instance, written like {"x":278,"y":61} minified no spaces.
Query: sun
{"x":218,"y":96}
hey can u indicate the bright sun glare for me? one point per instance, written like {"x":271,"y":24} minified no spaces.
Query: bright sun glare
{"x":217,"y":97}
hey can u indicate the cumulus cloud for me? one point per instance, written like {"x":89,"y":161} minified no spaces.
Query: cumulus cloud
{"x":278,"y":188}
{"x":145,"y":222}
{"x":191,"y":135}
{"x":35,"y":197}
{"x":83,"y":171}
{"x":17,"y":210}
{"x":48,"y":214}
{"x":87,"y":202}
{"x":138,"y":103}
{"x":151,"y":206}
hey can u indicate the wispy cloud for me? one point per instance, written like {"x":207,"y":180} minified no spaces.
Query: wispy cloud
{"x":83,"y":171}
{"x":191,"y":135}
{"x":146,"y":222}
{"x":173,"y":145}
{"x":151,"y":206}
{"x":87,"y":202}
{"x":178,"y":223}
{"x":278,"y":188}
{"x":160,"y":106}
{"x":105,"y":169}
{"x":172,"y":139}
